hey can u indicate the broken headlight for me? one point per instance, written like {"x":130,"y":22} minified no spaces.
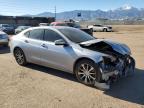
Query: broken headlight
{"x":109,"y":59}
{"x":108,"y":64}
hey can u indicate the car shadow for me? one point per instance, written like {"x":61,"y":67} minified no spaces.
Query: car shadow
{"x":4,"y":50}
{"x":130,"y":89}
{"x":51,"y":71}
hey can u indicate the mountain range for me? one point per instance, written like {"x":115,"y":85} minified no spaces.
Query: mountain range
{"x":119,"y":13}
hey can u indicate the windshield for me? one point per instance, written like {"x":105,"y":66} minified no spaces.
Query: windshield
{"x":75,"y":35}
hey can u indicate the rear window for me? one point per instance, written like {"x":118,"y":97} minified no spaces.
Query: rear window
{"x":36,"y":34}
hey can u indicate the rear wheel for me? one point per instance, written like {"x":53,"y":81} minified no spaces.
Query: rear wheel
{"x":91,"y":29}
{"x":87,"y":72}
{"x":20,"y":57}
{"x":104,"y":30}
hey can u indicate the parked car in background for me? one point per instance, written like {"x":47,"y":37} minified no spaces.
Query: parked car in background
{"x":7,"y":28}
{"x":3,"y":39}
{"x":21,"y":28}
{"x":74,"y":51}
{"x":101,"y":28}
{"x":72,"y":24}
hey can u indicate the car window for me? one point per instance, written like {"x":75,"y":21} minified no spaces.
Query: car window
{"x":70,"y":24}
{"x":51,"y":36}
{"x":36,"y":34}
{"x":27,"y":34}
{"x":76,"y":35}
{"x":6,"y":25}
{"x":26,"y":27}
{"x":19,"y":27}
{"x":74,"y":25}
{"x":61,"y":24}
{"x":51,"y":24}
{"x":97,"y":25}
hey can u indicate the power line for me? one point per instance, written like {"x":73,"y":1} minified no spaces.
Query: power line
{"x":55,"y":13}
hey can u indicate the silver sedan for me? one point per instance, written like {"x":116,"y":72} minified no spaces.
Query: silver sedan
{"x":74,"y":51}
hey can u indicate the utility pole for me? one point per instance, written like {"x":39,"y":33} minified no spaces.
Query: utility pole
{"x":55,"y":13}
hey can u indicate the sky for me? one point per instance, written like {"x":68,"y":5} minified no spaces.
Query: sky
{"x":33,"y":7}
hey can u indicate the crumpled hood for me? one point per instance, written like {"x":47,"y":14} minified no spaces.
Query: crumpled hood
{"x":118,"y":47}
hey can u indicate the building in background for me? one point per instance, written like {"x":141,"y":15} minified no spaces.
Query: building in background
{"x":27,"y":21}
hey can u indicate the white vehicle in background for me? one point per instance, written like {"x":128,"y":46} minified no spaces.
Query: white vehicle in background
{"x":3,"y":39}
{"x":100,"y":28}
{"x":21,"y":28}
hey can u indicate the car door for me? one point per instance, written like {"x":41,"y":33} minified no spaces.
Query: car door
{"x":99,"y":28}
{"x":95,"y":28}
{"x":34,"y":42}
{"x":56,"y":56}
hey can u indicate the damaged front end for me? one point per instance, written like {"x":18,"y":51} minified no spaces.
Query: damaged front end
{"x":112,"y":69}
{"x":117,"y":63}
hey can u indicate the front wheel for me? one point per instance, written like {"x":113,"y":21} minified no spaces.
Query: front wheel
{"x":87,"y":72}
{"x":20,"y":57}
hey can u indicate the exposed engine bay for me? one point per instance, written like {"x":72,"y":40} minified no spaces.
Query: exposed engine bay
{"x":118,"y":63}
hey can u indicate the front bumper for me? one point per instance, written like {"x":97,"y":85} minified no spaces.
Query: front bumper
{"x":109,"y":30}
{"x":123,"y":68}
{"x":109,"y":77}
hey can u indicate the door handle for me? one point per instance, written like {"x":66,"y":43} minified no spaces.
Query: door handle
{"x":26,"y":41}
{"x":44,"y":46}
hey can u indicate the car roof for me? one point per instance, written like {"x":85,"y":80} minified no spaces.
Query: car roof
{"x":48,"y":27}
{"x":52,"y":27}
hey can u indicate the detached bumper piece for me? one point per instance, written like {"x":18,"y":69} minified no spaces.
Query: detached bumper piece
{"x":102,"y":86}
{"x":113,"y":70}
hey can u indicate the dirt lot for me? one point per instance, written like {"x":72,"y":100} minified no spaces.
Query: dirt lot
{"x":39,"y":87}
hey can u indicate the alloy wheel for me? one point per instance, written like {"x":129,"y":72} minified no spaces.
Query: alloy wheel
{"x":87,"y":74}
{"x":20,"y":58}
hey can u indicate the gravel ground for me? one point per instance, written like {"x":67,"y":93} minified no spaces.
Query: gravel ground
{"x":34,"y":86}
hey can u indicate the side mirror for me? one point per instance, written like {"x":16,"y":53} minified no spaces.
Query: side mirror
{"x":61,"y":42}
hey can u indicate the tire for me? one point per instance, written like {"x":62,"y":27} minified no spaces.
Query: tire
{"x":85,"y":77}
{"x":91,"y":29}
{"x":20,"y":57}
{"x":104,"y":30}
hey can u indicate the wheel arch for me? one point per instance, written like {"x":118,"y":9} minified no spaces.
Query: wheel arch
{"x":16,"y":48}
{"x":78,"y":60}
{"x":105,"y":28}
